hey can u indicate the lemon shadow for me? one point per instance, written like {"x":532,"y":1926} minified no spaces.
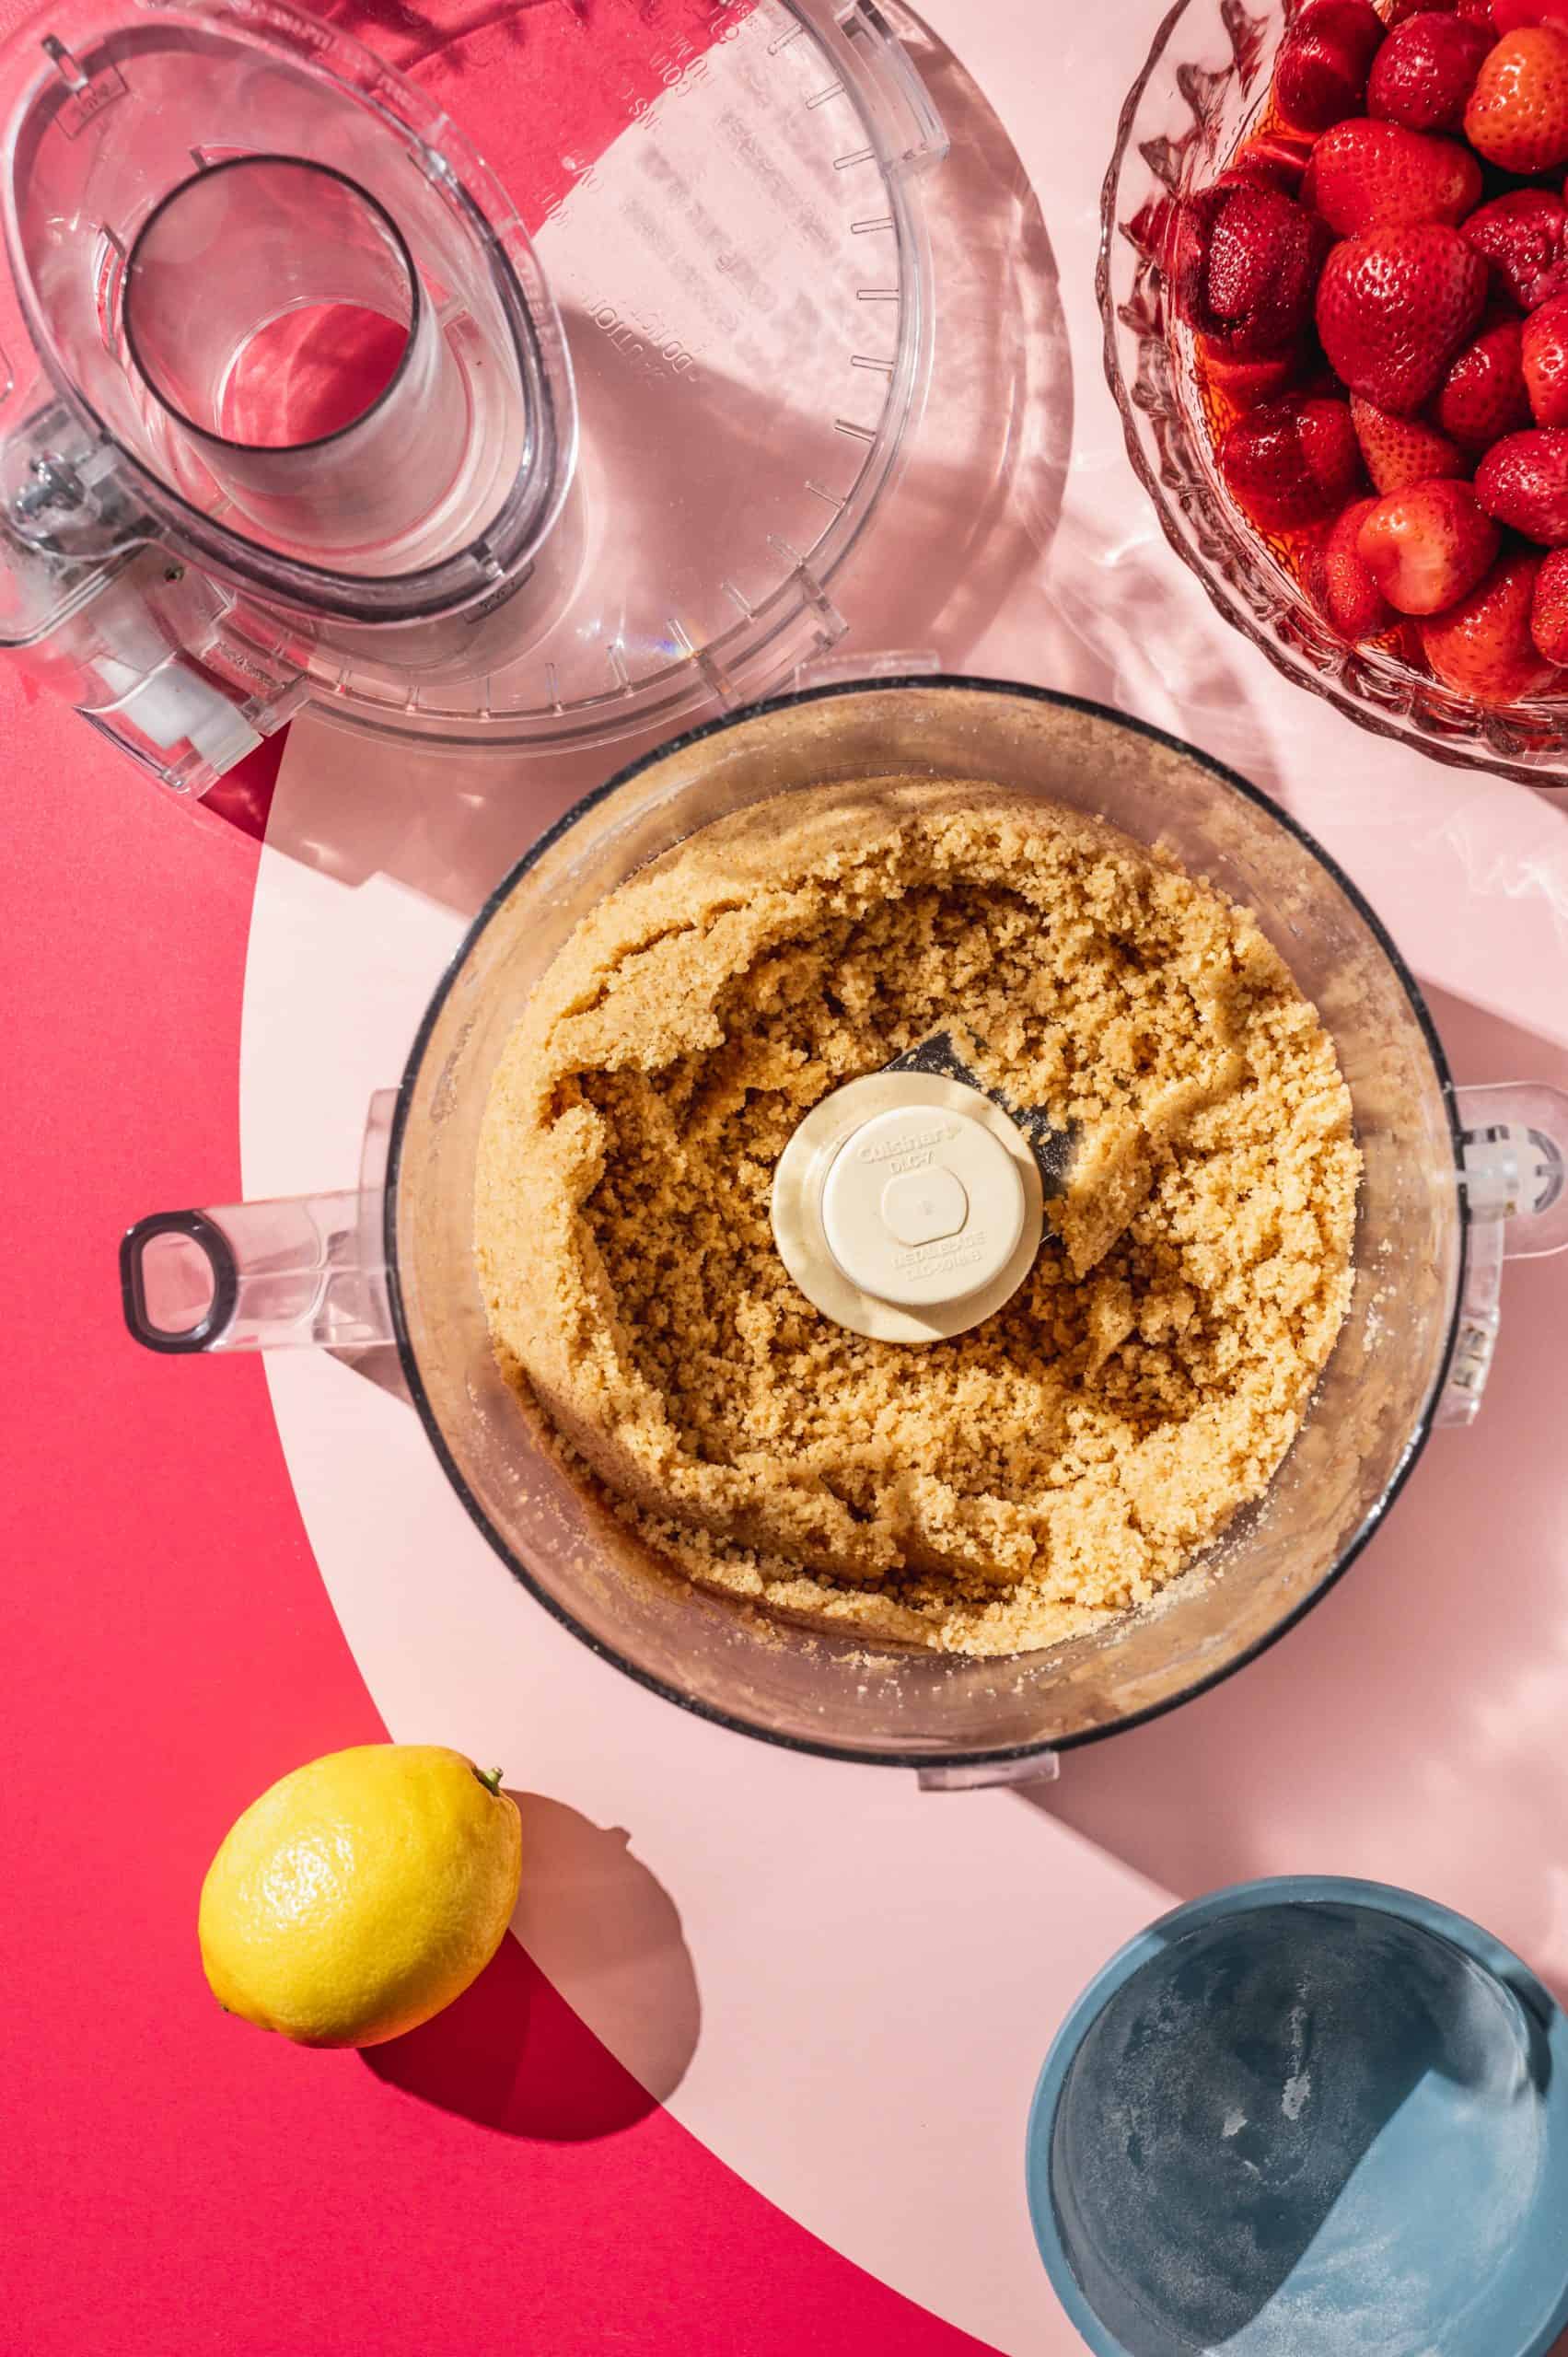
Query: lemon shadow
{"x":584,"y":2022}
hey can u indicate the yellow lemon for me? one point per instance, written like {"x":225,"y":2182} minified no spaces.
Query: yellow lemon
{"x":360,"y":1895}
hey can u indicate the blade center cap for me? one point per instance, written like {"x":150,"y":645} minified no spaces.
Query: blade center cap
{"x":922,"y":1205}
{"x":907,"y":1206}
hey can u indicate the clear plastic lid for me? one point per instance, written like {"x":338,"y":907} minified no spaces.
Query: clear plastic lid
{"x":530,"y":454}
{"x":181,"y":191}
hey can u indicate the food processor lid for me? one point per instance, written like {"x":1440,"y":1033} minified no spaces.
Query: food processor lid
{"x":607,"y":469}
{"x":217,"y":216}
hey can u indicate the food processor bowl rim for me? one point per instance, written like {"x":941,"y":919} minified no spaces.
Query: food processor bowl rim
{"x":1472,"y":1940}
{"x":936,"y":682}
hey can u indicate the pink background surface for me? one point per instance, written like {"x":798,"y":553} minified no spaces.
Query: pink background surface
{"x":172,"y":2182}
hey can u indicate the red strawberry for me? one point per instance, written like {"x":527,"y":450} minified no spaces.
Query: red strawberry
{"x":1483,"y":396}
{"x":1549,"y":608}
{"x":1246,"y":263}
{"x":1340,"y":584}
{"x":1474,"y":12}
{"x":1524,"y":236}
{"x":1523,"y":481}
{"x":1394,"y":307}
{"x":1509,"y":15}
{"x":1517,"y":114}
{"x":1402,"y":450}
{"x":1249,"y":383}
{"x":1375,"y":175}
{"x":1270,"y":160}
{"x":1427,"y":545}
{"x":1425,"y":70}
{"x":1322,"y":67}
{"x":1290,"y":462}
{"x":1544,"y":359}
{"x":1483,"y":647}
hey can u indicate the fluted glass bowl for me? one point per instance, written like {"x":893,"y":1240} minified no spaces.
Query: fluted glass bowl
{"x":1205,"y":82}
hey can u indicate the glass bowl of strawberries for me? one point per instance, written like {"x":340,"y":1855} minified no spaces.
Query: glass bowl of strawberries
{"x":1333,"y":277}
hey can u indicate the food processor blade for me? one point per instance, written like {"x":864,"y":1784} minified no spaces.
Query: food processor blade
{"x":1051,"y":1147}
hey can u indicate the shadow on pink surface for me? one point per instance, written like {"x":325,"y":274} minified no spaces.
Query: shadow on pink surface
{"x":511,"y":2054}
{"x":977,"y":508}
{"x":1410,"y":1729}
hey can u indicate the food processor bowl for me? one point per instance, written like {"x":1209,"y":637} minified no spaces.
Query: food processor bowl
{"x":1205,"y":84}
{"x":1447,"y":1180}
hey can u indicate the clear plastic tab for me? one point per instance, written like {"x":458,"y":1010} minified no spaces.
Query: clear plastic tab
{"x":1514,"y":1178}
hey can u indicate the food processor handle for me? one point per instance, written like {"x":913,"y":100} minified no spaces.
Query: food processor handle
{"x":298,"y":1271}
{"x":1514,"y":1137}
{"x":1513,"y":1181}
{"x":253,"y":1277}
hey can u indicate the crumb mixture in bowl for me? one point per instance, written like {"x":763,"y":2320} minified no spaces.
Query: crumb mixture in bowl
{"x":1063,"y":1460}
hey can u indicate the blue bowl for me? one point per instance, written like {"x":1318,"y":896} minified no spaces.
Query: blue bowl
{"x":1307,"y":2117}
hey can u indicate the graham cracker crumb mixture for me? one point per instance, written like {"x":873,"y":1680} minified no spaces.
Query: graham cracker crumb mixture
{"x":1062,"y":1461}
